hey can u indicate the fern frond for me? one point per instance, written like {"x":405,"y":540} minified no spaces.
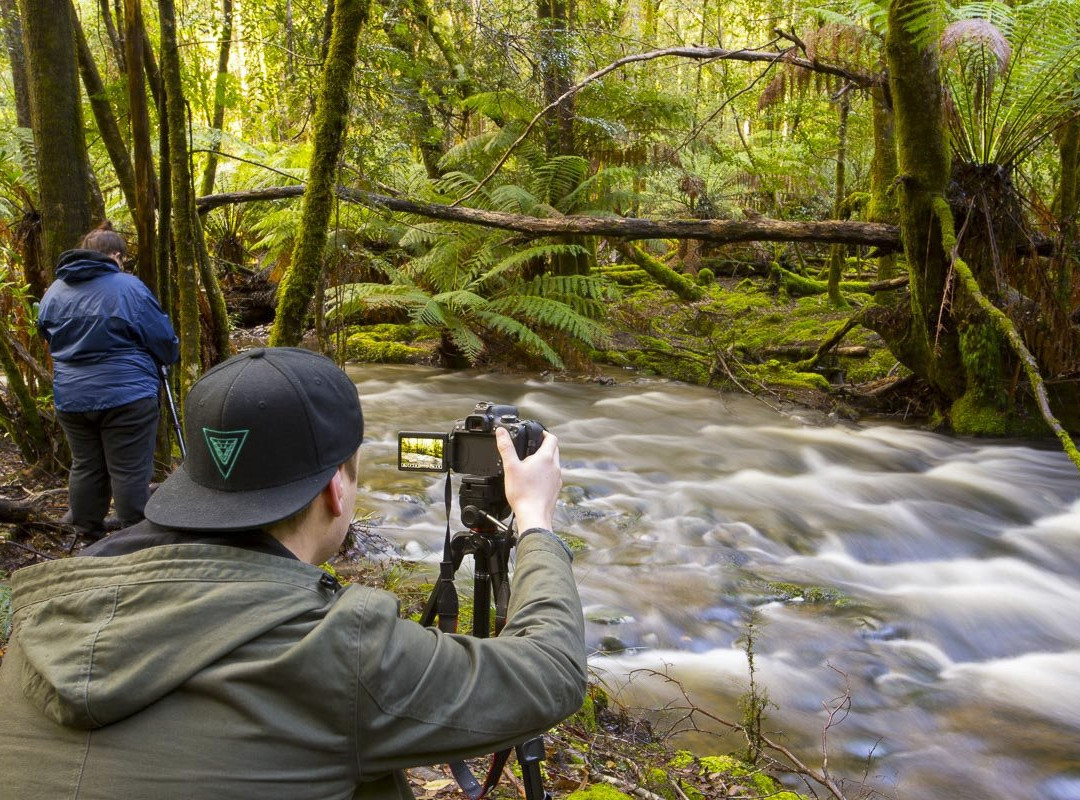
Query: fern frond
{"x":558,"y":177}
{"x":465,"y":339}
{"x":520,"y":258}
{"x":512,"y":199}
{"x":355,"y":298}
{"x":501,"y":106}
{"x":552,"y":314}
{"x":523,"y":336}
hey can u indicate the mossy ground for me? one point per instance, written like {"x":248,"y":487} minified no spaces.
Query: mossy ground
{"x":748,"y":335}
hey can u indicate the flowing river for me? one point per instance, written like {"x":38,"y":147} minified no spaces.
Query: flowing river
{"x":948,"y":571}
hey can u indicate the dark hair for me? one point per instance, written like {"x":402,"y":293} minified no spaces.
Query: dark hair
{"x":105,"y":240}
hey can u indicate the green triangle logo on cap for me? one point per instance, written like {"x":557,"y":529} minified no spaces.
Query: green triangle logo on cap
{"x":225,"y":448}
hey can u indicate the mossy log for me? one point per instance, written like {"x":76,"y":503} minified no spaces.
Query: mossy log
{"x":798,"y":286}
{"x":660,"y":272}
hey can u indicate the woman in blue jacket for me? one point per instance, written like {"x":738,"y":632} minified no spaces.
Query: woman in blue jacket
{"x":107,"y":335}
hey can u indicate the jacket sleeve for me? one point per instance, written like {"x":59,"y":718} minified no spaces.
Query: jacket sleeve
{"x":153,"y":329}
{"x":427,"y":697}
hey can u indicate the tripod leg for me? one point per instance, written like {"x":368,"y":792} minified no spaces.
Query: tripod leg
{"x":529,"y":755}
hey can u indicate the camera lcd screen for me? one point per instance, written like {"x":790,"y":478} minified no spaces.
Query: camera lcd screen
{"x":420,"y":451}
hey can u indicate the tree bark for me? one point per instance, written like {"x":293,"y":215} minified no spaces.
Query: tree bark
{"x":184,"y":223}
{"x":115,"y":42}
{"x":882,"y":205}
{"x":106,"y":120}
{"x":1068,"y":202}
{"x":145,"y":178}
{"x":218,"y":120}
{"x":13,"y":42}
{"x":930,"y":346}
{"x":304,"y":273}
{"x":63,"y":168}
{"x":872,"y":234}
{"x":837,"y":252}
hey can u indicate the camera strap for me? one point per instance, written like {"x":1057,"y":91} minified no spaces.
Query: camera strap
{"x":446,"y":603}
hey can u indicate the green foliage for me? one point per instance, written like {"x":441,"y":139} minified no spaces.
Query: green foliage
{"x":479,"y":288}
{"x":1009,"y":73}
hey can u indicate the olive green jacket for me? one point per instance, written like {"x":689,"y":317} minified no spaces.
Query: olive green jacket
{"x":206,"y":671}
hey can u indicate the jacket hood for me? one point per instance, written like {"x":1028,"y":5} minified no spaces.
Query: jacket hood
{"x":102,"y":641}
{"x":76,"y":266}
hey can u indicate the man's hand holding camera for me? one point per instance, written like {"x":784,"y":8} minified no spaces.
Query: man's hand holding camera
{"x":532,"y":485}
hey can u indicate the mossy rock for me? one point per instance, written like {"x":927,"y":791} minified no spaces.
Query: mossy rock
{"x":776,"y":373}
{"x":971,"y":417}
{"x":388,"y":344}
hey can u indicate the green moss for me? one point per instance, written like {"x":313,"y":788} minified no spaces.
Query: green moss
{"x":705,"y":277}
{"x":779,"y":374}
{"x":387,"y":343}
{"x":682,"y":760}
{"x":880,"y":363}
{"x":810,"y":594}
{"x":599,"y":791}
{"x":972,"y":416}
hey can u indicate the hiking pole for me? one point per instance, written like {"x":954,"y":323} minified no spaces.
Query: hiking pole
{"x":172,"y":408}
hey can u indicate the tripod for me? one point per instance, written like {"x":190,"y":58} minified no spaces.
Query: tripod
{"x":488,"y":541}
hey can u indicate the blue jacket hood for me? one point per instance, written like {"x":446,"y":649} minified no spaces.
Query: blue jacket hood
{"x":76,"y":266}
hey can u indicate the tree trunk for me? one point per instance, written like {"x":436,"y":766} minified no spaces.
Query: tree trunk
{"x":298,"y":286}
{"x":1067,"y":203}
{"x":218,"y":120}
{"x":145,"y":179}
{"x":106,"y":120}
{"x":556,"y":69}
{"x":9,"y":15}
{"x":882,"y":205}
{"x":837,"y":251}
{"x":722,"y":231}
{"x":184,"y":223}
{"x":929,"y":345}
{"x":63,"y":168}
{"x":118,"y":45}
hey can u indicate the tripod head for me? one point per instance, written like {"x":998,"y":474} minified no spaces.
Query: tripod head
{"x":483,"y":503}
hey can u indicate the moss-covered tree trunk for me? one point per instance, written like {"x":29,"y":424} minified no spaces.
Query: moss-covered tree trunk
{"x":217,"y":121}
{"x":63,"y":169}
{"x":929,"y":343}
{"x":184,"y":229}
{"x":9,"y":17}
{"x":1067,"y":204}
{"x":837,"y":251}
{"x":882,"y":204}
{"x":106,"y":121}
{"x":143,"y":155}
{"x":304,"y":273}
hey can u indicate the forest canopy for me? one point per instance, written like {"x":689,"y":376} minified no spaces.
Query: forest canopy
{"x":483,"y":168}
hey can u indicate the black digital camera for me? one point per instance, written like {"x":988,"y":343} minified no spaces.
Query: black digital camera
{"x":469,"y":448}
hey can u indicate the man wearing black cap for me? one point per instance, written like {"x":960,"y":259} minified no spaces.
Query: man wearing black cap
{"x":200,"y":654}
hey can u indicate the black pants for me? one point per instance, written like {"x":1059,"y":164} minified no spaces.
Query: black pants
{"x":112,"y":455}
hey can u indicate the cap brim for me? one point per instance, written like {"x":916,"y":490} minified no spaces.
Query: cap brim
{"x":185,"y":505}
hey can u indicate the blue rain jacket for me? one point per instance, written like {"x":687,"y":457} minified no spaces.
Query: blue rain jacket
{"x":106,"y":332}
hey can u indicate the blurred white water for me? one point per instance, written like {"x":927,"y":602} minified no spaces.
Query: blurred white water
{"x":950,"y":570}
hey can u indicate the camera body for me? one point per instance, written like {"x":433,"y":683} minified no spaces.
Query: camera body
{"x":469,"y":448}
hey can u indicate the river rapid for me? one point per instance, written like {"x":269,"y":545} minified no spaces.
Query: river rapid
{"x":949,"y":570}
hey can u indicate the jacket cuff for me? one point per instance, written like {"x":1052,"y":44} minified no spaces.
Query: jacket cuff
{"x":550,"y":535}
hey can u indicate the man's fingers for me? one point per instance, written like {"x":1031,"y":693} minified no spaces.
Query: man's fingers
{"x":505,"y":444}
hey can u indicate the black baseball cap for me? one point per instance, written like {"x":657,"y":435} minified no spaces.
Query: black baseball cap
{"x":265,"y":431}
